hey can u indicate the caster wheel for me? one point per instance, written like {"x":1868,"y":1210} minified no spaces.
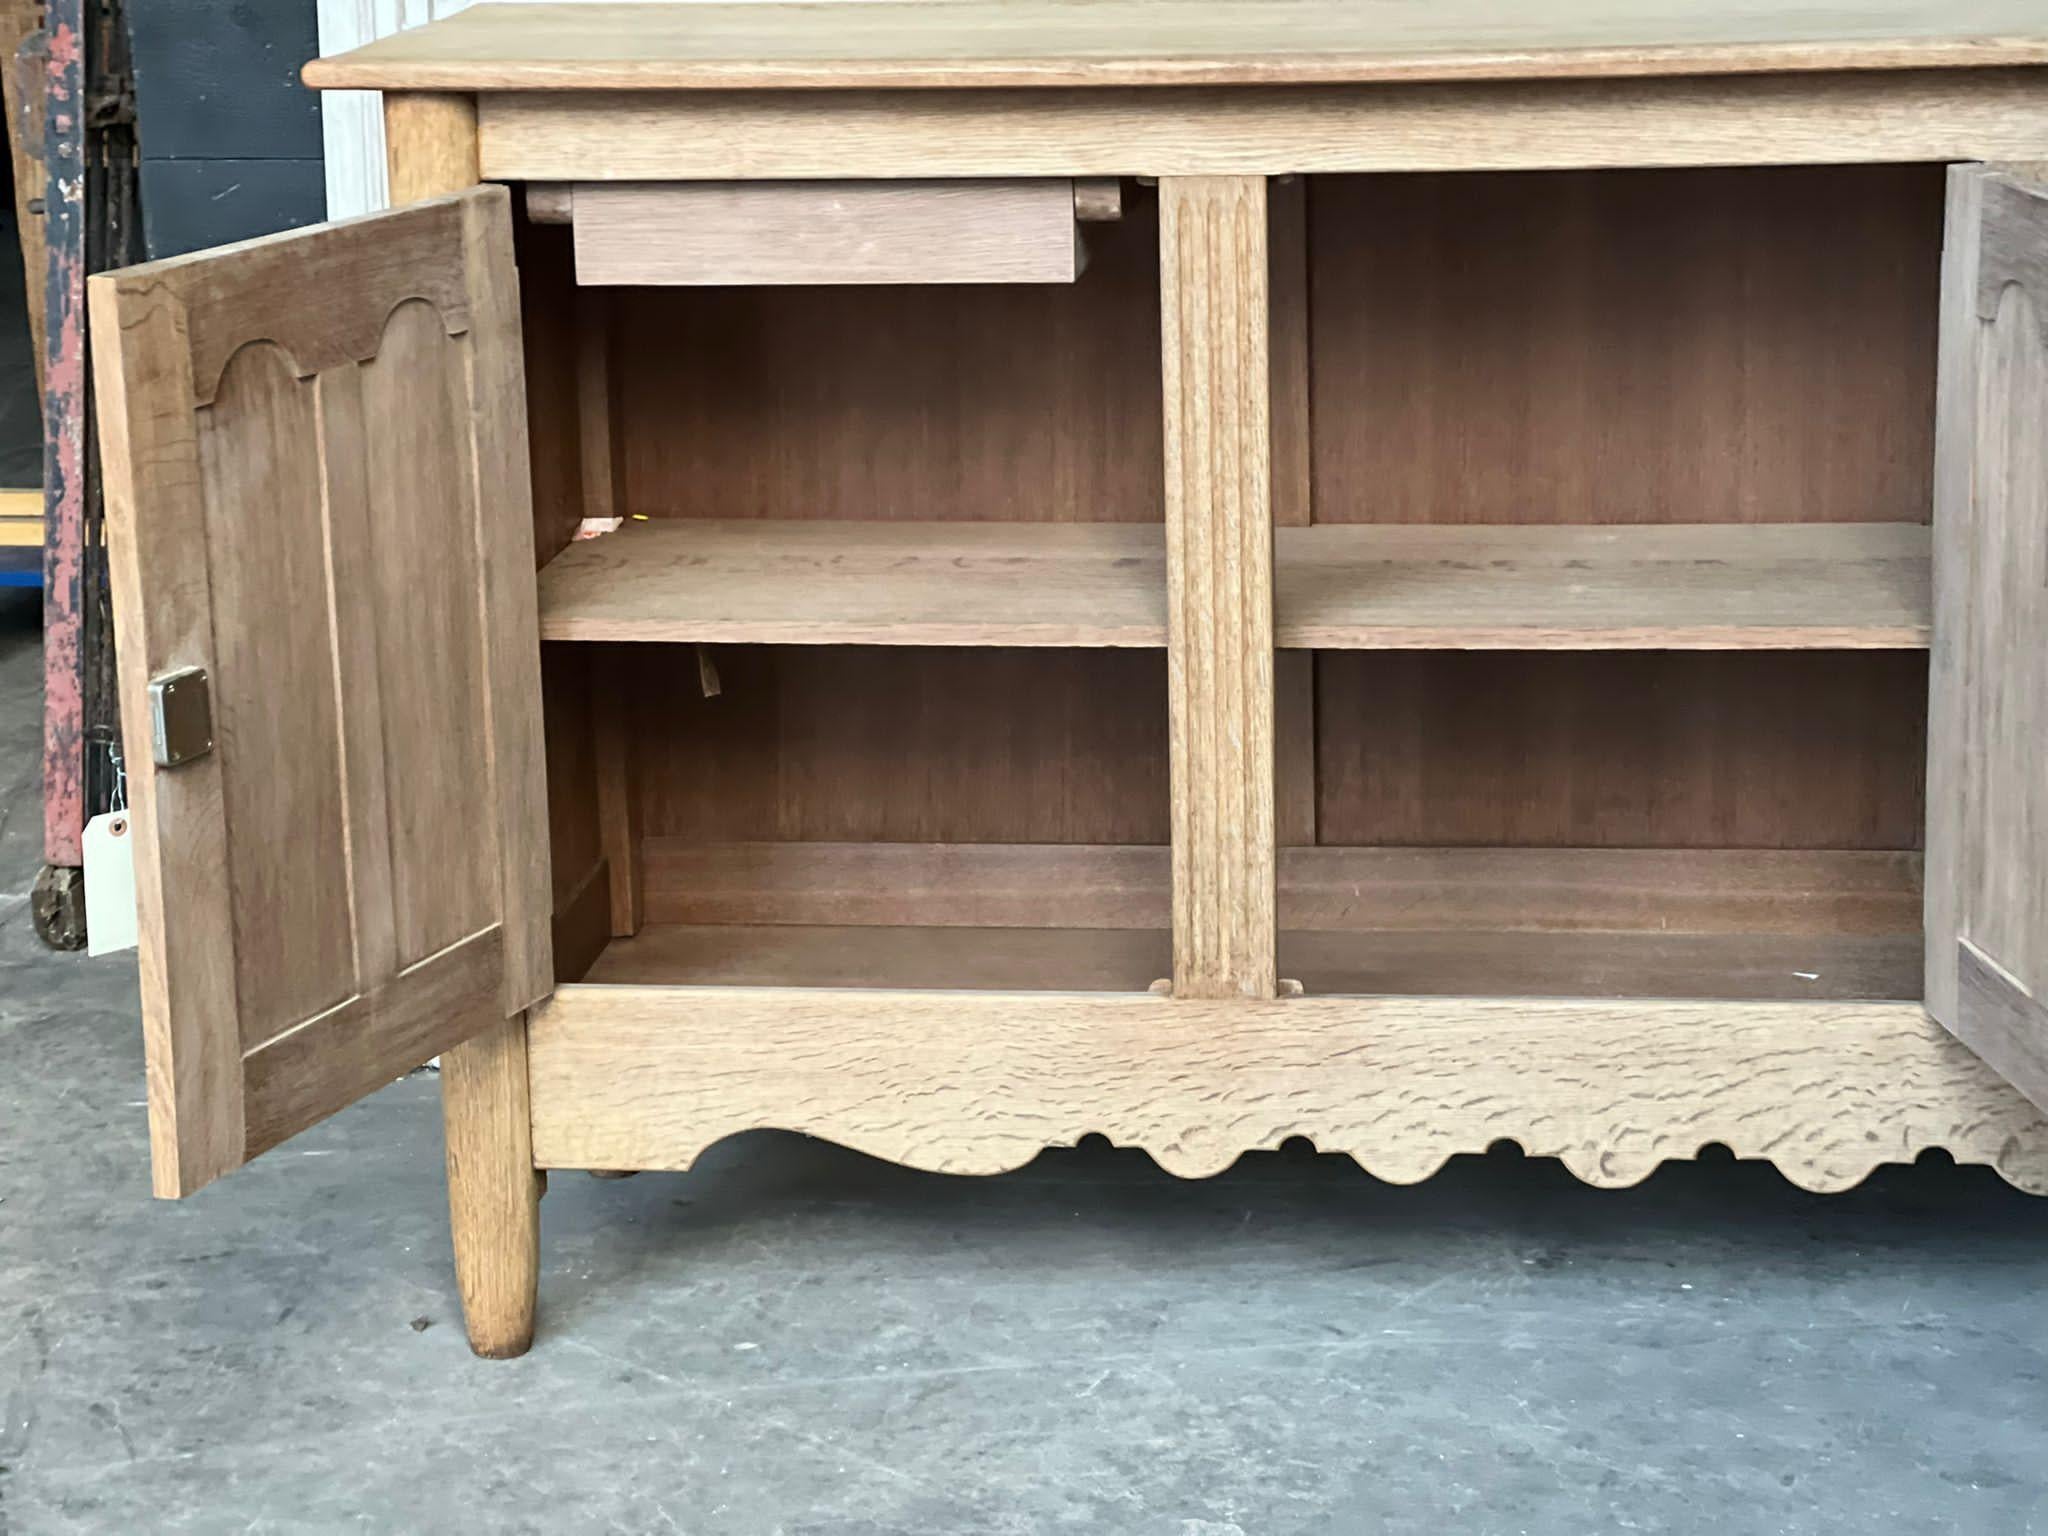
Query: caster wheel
{"x":57,"y":906}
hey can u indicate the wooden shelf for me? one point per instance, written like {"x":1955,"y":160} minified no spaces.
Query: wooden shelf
{"x":880,"y":583}
{"x":1465,"y":962}
{"x":1483,"y":922}
{"x":1516,"y":963}
{"x":1846,"y":586}
{"x":1738,"y":586}
{"x":939,"y":959}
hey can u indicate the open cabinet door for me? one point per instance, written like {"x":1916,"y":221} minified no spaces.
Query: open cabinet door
{"x":1987,"y":780}
{"x":322,"y":555}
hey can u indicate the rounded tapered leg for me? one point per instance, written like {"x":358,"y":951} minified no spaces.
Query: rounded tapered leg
{"x":493,"y":1188}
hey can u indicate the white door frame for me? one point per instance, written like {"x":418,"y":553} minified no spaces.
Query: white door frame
{"x":352,"y":122}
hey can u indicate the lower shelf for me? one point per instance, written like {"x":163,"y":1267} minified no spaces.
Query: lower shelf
{"x":1604,"y":965}
{"x":924,"y":959}
{"x":1482,"y":963}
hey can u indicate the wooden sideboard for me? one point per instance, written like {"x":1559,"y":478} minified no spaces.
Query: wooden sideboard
{"x":1403,"y":575}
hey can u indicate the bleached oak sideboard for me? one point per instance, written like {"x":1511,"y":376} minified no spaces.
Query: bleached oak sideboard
{"x":1405,"y":574}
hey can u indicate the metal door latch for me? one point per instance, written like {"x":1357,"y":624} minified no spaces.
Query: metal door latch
{"x":180,"y":716}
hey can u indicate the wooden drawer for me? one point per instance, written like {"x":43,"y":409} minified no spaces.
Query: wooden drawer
{"x":716,"y":233}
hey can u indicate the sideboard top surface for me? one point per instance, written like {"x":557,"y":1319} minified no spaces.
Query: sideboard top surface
{"x":992,"y":43}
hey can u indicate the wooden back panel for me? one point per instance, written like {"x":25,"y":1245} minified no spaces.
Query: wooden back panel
{"x":1009,"y":403}
{"x":1625,"y":346}
{"x":1628,"y":749}
{"x":859,"y":744}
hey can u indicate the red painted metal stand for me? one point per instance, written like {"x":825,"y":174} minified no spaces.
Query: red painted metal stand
{"x":58,"y":900}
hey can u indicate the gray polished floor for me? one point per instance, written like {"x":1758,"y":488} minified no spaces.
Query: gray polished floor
{"x":794,"y":1338}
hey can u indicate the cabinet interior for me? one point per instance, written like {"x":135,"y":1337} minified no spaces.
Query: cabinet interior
{"x":1602,"y":600}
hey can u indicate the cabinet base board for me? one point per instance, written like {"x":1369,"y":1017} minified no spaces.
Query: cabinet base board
{"x":980,"y":1082}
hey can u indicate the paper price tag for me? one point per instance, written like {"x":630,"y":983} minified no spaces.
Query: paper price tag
{"x":109,"y":883}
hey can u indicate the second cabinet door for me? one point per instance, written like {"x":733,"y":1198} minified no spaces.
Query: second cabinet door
{"x":1987,"y":766}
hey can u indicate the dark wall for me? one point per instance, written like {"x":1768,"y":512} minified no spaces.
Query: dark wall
{"x":230,"y":139}
{"x":21,"y":415}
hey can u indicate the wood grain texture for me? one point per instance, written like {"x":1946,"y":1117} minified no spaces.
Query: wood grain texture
{"x":2010,"y":253}
{"x":608,"y":764}
{"x":583,"y":924}
{"x":303,"y":1076}
{"x":163,"y":618}
{"x":1779,"y":586}
{"x":618,"y":811}
{"x":600,"y":444}
{"x":850,"y":744}
{"x":557,"y":343}
{"x":1999,"y":1019}
{"x":287,"y":812}
{"x":977,"y":885}
{"x":1219,"y":583}
{"x":501,"y":531}
{"x":1705,"y":346}
{"x":648,"y":1077}
{"x":1644,"y":749}
{"x":1825,"y":119}
{"x":1384,"y":890}
{"x":357,"y":497}
{"x":1602,"y":890}
{"x":444,"y":866}
{"x":1007,"y":403}
{"x":1842,"y":586}
{"x":1992,"y":528}
{"x":366,"y":897}
{"x":862,"y":956}
{"x":1294,"y":687}
{"x":1127,"y":42}
{"x":379,"y":263}
{"x":840,"y":582}
{"x":1410,"y":962}
{"x":1289,"y":347}
{"x":2003,"y":785}
{"x":494,"y":1188}
{"x":430,"y":144}
{"x":740,"y":233}
{"x":1956,"y":537}
{"x":1294,"y":748}
{"x":1586,"y":963}
{"x":575,"y":843}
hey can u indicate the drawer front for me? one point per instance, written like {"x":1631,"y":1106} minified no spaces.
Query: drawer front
{"x":709,"y":233}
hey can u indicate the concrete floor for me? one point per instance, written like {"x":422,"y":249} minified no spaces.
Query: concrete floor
{"x":794,"y":1338}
